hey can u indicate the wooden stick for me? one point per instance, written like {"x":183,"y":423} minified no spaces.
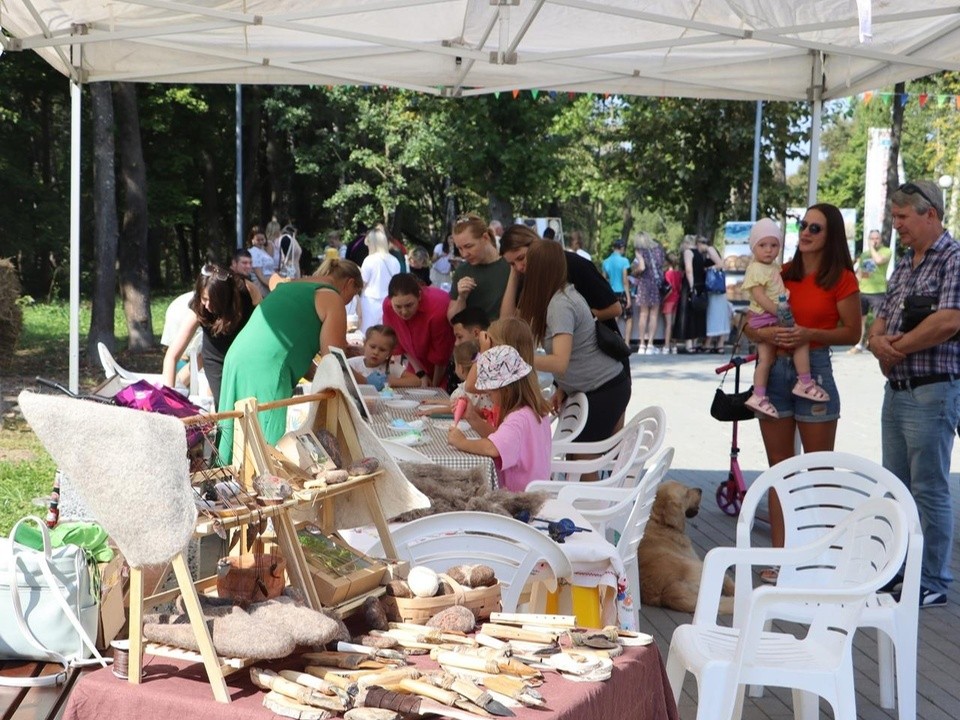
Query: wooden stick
{"x":315,"y":683}
{"x":470,"y":662}
{"x":418,"y":687}
{"x":508,"y":632}
{"x":533,"y":619}
{"x":285,"y":707}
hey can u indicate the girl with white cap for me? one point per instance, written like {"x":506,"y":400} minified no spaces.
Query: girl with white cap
{"x":766,"y":288}
{"x":520,"y":445}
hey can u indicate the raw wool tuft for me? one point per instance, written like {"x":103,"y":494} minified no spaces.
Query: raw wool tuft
{"x":11,"y":315}
{"x":450,"y":490}
{"x":128,"y":466}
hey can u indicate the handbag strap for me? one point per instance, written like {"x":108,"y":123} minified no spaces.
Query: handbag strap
{"x":733,"y":351}
{"x":43,"y":561}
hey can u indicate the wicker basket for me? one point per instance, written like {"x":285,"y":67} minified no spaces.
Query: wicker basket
{"x":480,"y":601}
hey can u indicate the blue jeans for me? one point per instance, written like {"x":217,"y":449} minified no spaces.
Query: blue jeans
{"x":783,"y":376}
{"x":917,"y":431}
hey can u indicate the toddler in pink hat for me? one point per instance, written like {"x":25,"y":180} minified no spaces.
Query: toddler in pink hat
{"x":520,"y":445}
{"x":765,"y":286}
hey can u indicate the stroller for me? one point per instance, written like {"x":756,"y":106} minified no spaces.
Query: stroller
{"x":731,"y":408}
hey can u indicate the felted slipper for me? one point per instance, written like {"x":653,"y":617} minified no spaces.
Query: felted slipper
{"x":762,"y":405}
{"x":811,"y":392}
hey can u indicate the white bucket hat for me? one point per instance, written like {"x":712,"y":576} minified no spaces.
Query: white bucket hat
{"x":499,"y":366}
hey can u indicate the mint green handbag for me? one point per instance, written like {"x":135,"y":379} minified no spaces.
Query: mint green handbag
{"x":48,"y":606}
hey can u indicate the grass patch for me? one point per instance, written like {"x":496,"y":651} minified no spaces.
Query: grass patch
{"x":26,"y":472}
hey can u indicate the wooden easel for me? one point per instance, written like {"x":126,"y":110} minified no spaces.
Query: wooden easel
{"x":254,"y":457}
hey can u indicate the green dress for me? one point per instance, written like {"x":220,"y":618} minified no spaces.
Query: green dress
{"x":269,"y":356}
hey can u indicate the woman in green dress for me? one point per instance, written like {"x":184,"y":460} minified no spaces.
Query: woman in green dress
{"x":277,"y":346}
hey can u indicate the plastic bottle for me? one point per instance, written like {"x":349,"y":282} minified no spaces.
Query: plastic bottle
{"x":784,"y":313}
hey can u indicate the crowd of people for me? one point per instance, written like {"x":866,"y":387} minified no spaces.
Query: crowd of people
{"x":494,"y":307}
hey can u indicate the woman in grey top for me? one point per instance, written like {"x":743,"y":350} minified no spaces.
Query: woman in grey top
{"x":563,"y":325}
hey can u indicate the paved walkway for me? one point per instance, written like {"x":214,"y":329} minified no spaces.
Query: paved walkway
{"x":684,"y":387}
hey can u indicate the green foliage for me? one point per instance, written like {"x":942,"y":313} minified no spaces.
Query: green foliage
{"x":26,"y":472}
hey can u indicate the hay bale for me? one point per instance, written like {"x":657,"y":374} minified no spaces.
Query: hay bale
{"x":11,"y":315}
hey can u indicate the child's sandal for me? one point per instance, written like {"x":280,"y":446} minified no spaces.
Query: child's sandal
{"x":762,"y":405}
{"x":812,"y":392}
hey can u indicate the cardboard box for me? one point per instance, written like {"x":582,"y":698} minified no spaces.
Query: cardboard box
{"x":339,"y":572}
{"x":112,"y":614}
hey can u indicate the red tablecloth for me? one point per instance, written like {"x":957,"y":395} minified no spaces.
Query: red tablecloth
{"x":175,"y":691}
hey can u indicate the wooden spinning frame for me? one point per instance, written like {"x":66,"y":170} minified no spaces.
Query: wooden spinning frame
{"x":256,"y":457}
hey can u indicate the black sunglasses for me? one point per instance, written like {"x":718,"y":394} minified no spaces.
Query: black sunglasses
{"x":815,"y":228}
{"x":912,"y":189}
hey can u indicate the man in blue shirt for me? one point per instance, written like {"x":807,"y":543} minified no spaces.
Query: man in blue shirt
{"x":615,"y":269}
{"x":919,"y":353}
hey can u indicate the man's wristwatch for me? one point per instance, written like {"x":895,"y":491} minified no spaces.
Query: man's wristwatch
{"x":421,"y":374}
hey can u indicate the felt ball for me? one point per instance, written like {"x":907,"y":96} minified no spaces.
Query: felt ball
{"x":399,"y":588}
{"x":423,"y":581}
{"x":454,"y":618}
{"x":375,"y":615}
{"x":473,"y":576}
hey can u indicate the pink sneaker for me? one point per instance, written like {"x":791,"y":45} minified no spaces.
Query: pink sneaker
{"x":762,"y":405}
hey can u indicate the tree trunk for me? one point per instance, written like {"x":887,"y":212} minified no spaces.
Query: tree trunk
{"x":104,"y":222}
{"x":134,"y":277}
{"x":210,"y":205}
{"x":893,"y":177}
{"x":500,"y":209}
{"x":628,"y":221}
{"x":253,"y":115}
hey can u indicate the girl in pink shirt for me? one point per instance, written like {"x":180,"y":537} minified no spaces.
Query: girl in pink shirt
{"x":520,"y":446}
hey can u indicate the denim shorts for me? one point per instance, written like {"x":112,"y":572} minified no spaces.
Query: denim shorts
{"x":783,"y":376}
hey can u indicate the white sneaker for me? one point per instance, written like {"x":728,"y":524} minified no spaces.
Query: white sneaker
{"x":647,"y":350}
{"x":673,"y":350}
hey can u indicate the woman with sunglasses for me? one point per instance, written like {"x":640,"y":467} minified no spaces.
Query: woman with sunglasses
{"x":276,"y":348}
{"x":221,"y":306}
{"x":825,"y":300}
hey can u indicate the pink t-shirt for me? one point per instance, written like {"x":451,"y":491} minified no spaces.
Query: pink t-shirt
{"x":523,"y":441}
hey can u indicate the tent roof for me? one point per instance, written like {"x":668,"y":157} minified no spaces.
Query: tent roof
{"x":738,"y":49}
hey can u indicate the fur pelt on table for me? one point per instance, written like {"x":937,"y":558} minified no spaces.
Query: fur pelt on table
{"x":129,"y":467}
{"x":266,"y":630}
{"x":450,"y":490}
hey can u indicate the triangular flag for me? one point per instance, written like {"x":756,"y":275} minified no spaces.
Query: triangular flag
{"x":552,"y":94}
{"x":942,"y":100}
{"x":496,"y":94}
{"x":516,"y":94}
{"x":867,"y":97}
{"x":903,"y":99}
{"x":923,"y":100}
{"x":606,"y":96}
{"x":956,"y":99}
{"x":571,"y":95}
{"x":534,"y":93}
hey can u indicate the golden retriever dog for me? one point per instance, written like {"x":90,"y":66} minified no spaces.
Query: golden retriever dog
{"x":669,"y":566}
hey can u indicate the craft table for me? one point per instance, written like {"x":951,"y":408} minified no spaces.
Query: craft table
{"x":172,"y":690}
{"x":435,"y":437}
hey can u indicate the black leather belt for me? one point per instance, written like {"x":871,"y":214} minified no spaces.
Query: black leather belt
{"x":916,"y":382}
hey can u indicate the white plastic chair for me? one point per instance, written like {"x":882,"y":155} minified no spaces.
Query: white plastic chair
{"x":626,"y":515}
{"x":111,"y":367}
{"x":855,"y":558}
{"x":816,"y":491}
{"x":572,"y":418}
{"x":624,"y":455}
{"x":517,"y":552}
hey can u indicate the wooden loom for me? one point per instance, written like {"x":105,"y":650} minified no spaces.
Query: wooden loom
{"x":253,"y":456}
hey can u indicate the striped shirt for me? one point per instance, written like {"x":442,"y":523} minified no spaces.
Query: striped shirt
{"x":937,"y":275}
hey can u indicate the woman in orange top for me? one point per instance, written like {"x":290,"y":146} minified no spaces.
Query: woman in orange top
{"x":825,"y":299}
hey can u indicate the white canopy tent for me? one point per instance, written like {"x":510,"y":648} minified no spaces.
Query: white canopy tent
{"x":807,"y":50}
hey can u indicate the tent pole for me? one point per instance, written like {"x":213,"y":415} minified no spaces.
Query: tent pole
{"x":239,"y":134}
{"x":815,"y":122}
{"x":755,"y":185}
{"x":75,"y":117}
